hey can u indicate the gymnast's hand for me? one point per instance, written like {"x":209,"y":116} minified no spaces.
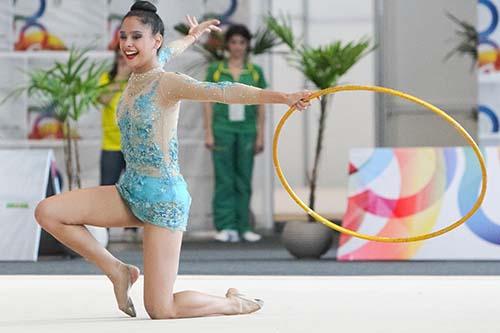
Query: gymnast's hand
{"x":198,"y":29}
{"x":298,"y":100}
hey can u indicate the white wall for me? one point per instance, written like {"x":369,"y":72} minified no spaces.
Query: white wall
{"x":194,"y":158}
{"x":416,"y":38}
{"x":350,"y":124}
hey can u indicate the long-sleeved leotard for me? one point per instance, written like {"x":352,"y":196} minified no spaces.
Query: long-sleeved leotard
{"x":173,"y":49}
{"x":152,"y":184}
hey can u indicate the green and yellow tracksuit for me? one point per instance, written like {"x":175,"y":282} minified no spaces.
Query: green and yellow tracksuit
{"x":233,"y":154}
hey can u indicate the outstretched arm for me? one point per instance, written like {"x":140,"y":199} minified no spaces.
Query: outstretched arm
{"x":196,"y":30}
{"x":177,"y":86}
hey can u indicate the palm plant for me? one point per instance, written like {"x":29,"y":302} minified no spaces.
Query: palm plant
{"x":323,"y":66}
{"x":71,"y":87}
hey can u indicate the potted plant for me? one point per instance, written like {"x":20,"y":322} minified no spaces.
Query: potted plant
{"x":70,"y":88}
{"x":323,"y":65}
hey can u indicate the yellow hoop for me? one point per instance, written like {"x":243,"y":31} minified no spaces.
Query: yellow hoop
{"x":392,"y":92}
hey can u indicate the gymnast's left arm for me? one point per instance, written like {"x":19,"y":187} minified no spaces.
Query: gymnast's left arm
{"x":177,"y":86}
{"x":196,"y":30}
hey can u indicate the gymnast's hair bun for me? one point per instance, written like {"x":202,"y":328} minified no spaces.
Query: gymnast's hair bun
{"x":144,"y":6}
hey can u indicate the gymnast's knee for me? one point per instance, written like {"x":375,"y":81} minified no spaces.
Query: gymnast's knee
{"x":160,"y":311}
{"x":45,"y":214}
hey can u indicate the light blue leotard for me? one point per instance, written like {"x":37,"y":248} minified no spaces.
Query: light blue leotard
{"x":152,"y":185}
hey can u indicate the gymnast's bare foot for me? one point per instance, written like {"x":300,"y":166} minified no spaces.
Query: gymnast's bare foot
{"x":125,"y":277}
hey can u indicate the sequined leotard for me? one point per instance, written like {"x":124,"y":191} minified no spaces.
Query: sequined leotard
{"x":152,"y":185}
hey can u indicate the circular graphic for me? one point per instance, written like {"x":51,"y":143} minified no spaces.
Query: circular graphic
{"x":494,"y":19}
{"x":492,"y":116}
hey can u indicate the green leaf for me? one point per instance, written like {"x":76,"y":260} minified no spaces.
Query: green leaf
{"x":324,"y":65}
{"x":72,"y":86}
{"x":265,"y":39}
{"x":467,"y":39}
{"x":282,"y":28}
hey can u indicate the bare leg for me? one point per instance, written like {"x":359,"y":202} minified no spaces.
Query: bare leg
{"x":64,"y":217}
{"x":161,"y":263}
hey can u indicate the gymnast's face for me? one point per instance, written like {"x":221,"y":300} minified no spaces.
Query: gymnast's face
{"x":138,"y":44}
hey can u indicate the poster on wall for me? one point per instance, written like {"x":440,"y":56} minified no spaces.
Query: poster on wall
{"x":489,"y":71}
{"x":58,"y":25}
{"x":404,"y":192}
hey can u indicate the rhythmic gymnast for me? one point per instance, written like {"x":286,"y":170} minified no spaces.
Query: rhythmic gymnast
{"x":152,"y":192}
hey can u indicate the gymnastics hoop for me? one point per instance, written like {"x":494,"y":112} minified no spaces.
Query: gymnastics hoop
{"x":410,"y":98}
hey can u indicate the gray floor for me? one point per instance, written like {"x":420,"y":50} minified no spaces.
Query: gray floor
{"x":264,"y":258}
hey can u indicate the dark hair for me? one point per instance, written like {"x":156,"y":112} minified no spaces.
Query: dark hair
{"x":146,"y":12}
{"x":237,"y":29}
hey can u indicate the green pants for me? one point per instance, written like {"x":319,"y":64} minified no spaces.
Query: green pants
{"x":233,"y":156}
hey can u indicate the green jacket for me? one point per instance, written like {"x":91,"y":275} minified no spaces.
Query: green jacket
{"x":251,"y":75}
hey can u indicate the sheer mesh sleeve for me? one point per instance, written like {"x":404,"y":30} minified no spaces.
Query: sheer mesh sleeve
{"x":172,"y":50}
{"x":177,"y":86}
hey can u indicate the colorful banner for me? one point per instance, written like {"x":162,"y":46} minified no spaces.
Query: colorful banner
{"x":58,"y":25}
{"x":406,"y":192}
{"x":489,"y":71}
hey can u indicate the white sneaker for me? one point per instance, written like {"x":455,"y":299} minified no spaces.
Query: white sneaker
{"x":251,"y":236}
{"x":227,"y":235}
{"x":234,"y":236}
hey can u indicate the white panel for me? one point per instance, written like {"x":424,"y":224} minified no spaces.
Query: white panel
{"x":13,"y":111}
{"x":293,"y":8}
{"x":321,"y":33}
{"x":422,"y":38}
{"x":415,"y":40}
{"x":21,"y":170}
{"x":6,"y":22}
{"x":353,"y":10}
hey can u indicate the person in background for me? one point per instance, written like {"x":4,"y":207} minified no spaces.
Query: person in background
{"x":112,"y":162}
{"x":234,"y":134}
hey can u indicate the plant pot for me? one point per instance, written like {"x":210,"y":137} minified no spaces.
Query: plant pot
{"x":307,"y":239}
